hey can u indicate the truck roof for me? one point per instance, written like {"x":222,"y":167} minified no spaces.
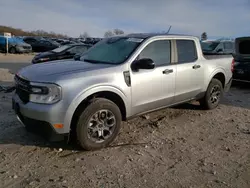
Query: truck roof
{"x":149,"y":35}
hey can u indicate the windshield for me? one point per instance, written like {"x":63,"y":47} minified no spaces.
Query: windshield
{"x":209,"y":46}
{"x":113,"y":50}
{"x":60,"y":49}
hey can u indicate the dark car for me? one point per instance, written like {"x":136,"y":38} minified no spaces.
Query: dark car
{"x":41,"y":44}
{"x":242,"y":59}
{"x":15,"y":45}
{"x":63,"y":52}
{"x":217,"y":47}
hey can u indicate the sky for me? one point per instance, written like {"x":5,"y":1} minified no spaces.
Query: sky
{"x":219,"y":18}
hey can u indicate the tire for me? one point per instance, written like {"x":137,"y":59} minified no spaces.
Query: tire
{"x":12,"y":50}
{"x":101,"y":105}
{"x":215,"y":90}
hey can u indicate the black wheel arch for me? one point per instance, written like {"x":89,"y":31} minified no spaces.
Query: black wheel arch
{"x":221,"y":77}
{"x":103,"y":94}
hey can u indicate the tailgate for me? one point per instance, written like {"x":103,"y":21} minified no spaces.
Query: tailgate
{"x":242,"y":59}
{"x":242,"y":49}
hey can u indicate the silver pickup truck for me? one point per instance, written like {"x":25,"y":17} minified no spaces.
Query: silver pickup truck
{"x":118,"y":78}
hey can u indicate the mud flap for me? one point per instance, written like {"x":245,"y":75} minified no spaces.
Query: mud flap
{"x":228,"y":85}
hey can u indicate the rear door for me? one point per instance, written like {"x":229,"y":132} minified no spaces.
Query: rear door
{"x":190,"y":71}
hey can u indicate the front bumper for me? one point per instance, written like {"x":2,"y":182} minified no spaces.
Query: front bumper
{"x":22,"y":50}
{"x":242,"y":76}
{"x":39,"y":118}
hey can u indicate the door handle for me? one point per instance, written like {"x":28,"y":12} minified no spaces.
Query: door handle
{"x":196,"y":66}
{"x":167,"y":71}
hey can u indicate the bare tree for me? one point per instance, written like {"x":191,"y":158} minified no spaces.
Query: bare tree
{"x":84,"y":35}
{"x":114,"y":32}
{"x":108,"y":34}
{"x":204,"y":36}
{"x":118,"y":32}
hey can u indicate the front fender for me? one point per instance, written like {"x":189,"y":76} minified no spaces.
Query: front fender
{"x":79,"y":98}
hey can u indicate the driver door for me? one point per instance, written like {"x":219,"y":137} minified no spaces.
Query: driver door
{"x":154,"y":88}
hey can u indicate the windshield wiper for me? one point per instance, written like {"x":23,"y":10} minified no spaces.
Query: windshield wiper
{"x":96,"y":61}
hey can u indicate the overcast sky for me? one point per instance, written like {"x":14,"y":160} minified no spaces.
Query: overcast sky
{"x":73,"y":17}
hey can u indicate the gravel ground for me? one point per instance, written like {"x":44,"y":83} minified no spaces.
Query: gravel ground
{"x":176,"y":147}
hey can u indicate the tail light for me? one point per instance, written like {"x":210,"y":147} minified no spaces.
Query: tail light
{"x":232,"y":65}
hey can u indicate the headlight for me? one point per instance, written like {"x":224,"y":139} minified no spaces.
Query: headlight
{"x":45,"y":93}
{"x":44,"y":59}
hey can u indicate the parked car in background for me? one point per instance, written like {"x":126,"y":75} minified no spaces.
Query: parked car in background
{"x":217,"y":47}
{"x":63,"y":52}
{"x":15,"y":45}
{"x":41,"y":44}
{"x":242,"y":59}
{"x":119,"y":78}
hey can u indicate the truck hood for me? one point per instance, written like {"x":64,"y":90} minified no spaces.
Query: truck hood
{"x":50,"y":71}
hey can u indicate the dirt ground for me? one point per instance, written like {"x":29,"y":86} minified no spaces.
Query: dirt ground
{"x":16,"y":58}
{"x":176,"y":147}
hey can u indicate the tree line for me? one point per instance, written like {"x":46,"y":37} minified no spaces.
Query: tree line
{"x":108,"y":33}
{"x":20,"y":32}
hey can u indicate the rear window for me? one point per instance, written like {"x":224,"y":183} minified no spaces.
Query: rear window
{"x":186,"y":51}
{"x":244,"y":47}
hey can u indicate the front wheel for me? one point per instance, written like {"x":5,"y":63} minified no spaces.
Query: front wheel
{"x":213,"y":95}
{"x":99,"y":124}
{"x":12,"y":50}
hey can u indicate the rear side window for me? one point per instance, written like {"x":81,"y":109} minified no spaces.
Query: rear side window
{"x":228,"y":45}
{"x":186,"y":51}
{"x":244,"y":47}
{"x":159,"y":51}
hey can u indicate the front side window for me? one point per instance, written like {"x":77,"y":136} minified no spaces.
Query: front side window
{"x":186,"y":51}
{"x":60,"y":49}
{"x":114,"y":50}
{"x":44,"y":42}
{"x":77,"y":49}
{"x":159,"y":51}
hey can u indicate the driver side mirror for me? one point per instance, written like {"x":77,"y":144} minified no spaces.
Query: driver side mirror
{"x":68,"y":53}
{"x":219,"y":50}
{"x":77,"y":57}
{"x":144,"y":63}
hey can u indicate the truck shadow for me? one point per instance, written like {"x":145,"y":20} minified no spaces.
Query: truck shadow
{"x":238,"y":96}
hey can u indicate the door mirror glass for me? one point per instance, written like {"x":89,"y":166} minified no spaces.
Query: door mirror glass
{"x":68,"y":53}
{"x":77,"y":57}
{"x":144,"y":63}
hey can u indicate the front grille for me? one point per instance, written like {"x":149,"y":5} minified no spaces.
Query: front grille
{"x":22,"y":88}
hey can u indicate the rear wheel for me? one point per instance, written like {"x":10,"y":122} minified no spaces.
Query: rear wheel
{"x":12,"y":50}
{"x":99,"y":124}
{"x":213,"y":95}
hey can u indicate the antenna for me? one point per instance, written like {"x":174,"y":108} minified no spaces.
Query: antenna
{"x":169,"y":29}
